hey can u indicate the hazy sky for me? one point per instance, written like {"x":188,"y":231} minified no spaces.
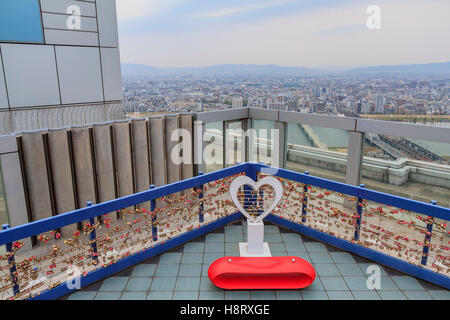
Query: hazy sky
{"x":311,"y":33}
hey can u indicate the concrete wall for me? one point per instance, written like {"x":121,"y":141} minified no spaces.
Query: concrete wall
{"x":393,"y":172}
{"x":49,"y":172}
{"x":68,"y":76}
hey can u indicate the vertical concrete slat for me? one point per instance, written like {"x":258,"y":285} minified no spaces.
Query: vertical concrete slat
{"x":157,"y":143}
{"x":35,"y":167}
{"x":62,"y":180}
{"x":104,"y":164}
{"x":13,"y":185}
{"x":173,"y":169}
{"x":141,"y":158}
{"x":187,"y":169}
{"x":83,"y":166}
{"x":124,"y":167}
{"x":199,"y":132}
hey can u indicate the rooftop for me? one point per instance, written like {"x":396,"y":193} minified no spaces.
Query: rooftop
{"x":182,"y":273}
{"x":159,"y":243}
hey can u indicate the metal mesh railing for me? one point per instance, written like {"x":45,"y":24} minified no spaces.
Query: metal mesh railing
{"x":123,"y":232}
{"x":413,"y":237}
{"x":107,"y":239}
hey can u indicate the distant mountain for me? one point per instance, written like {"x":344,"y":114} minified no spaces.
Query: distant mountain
{"x":256,"y":69}
{"x":429,"y":68}
{"x":139,"y":70}
{"x":224,"y":69}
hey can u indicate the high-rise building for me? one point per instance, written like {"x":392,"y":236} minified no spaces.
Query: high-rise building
{"x":379,"y":104}
{"x":359,"y":108}
{"x":237,"y":102}
{"x":317,"y":91}
{"x":59,"y":64}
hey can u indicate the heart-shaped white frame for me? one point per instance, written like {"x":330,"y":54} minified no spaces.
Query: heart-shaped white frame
{"x":244,"y":180}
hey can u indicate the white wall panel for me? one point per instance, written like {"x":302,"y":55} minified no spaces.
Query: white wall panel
{"x":60,"y":6}
{"x":112,"y":80}
{"x":69,"y":37}
{"x":107,"y":23}
{"x":59,"y":21}
{"x":31,"y":76}
{"x":79,"y":74}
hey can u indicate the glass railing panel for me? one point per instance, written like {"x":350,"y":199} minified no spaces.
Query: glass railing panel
{"x":263,"y":140}
{"x":235,"y":145}
{"x":409,"y":168}
{"x":213,"y":146}
{"x":318,"y":150}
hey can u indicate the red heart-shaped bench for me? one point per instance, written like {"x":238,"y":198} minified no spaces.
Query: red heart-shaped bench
{"x":261,"y":273}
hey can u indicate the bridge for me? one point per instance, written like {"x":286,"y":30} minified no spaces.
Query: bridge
{"x":411,"y":149}
{"x":314,"y":138}
{"x":400,"y":147}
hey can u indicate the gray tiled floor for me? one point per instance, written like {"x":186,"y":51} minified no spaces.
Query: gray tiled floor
{"x":182,"y":273}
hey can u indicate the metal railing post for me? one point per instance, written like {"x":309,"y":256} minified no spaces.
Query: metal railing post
{"x":247,"y":128}
{"x":12,"y":263}
{"x":261,"y":195}
{"x":152,"y":210}
{"x":225,"y":144}
{"x":355,"y":157}
{"x":305,"y":201}
{"x":427,"y":241}
{"x":93,"y":237}
{"x":359,"y":218}
{"x":201,"y":217}
{"x":279,"y":147}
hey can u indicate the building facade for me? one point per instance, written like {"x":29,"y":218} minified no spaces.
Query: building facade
{"x":379,"y":105}
{"x":237,"y":102}
{"x":59,"y":64}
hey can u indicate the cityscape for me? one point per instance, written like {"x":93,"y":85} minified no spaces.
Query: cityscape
{"x":424,"y":99}
{"x":225,"y":150}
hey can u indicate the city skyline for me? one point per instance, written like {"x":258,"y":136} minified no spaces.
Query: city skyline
{"x":314,"y":34}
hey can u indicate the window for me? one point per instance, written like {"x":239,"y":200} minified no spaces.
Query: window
{"x":20,"y":21}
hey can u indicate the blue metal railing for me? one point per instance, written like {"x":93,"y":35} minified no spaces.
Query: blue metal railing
{"x":62,"y":220}
{"x":432,"y":210}
{"x":9,"y":236}
{"x":360,"y":192}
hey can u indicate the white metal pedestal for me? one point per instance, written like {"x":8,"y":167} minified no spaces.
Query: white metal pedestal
{"x":255,"y":247}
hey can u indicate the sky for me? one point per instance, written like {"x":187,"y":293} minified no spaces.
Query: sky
{"x":309,"y":33}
